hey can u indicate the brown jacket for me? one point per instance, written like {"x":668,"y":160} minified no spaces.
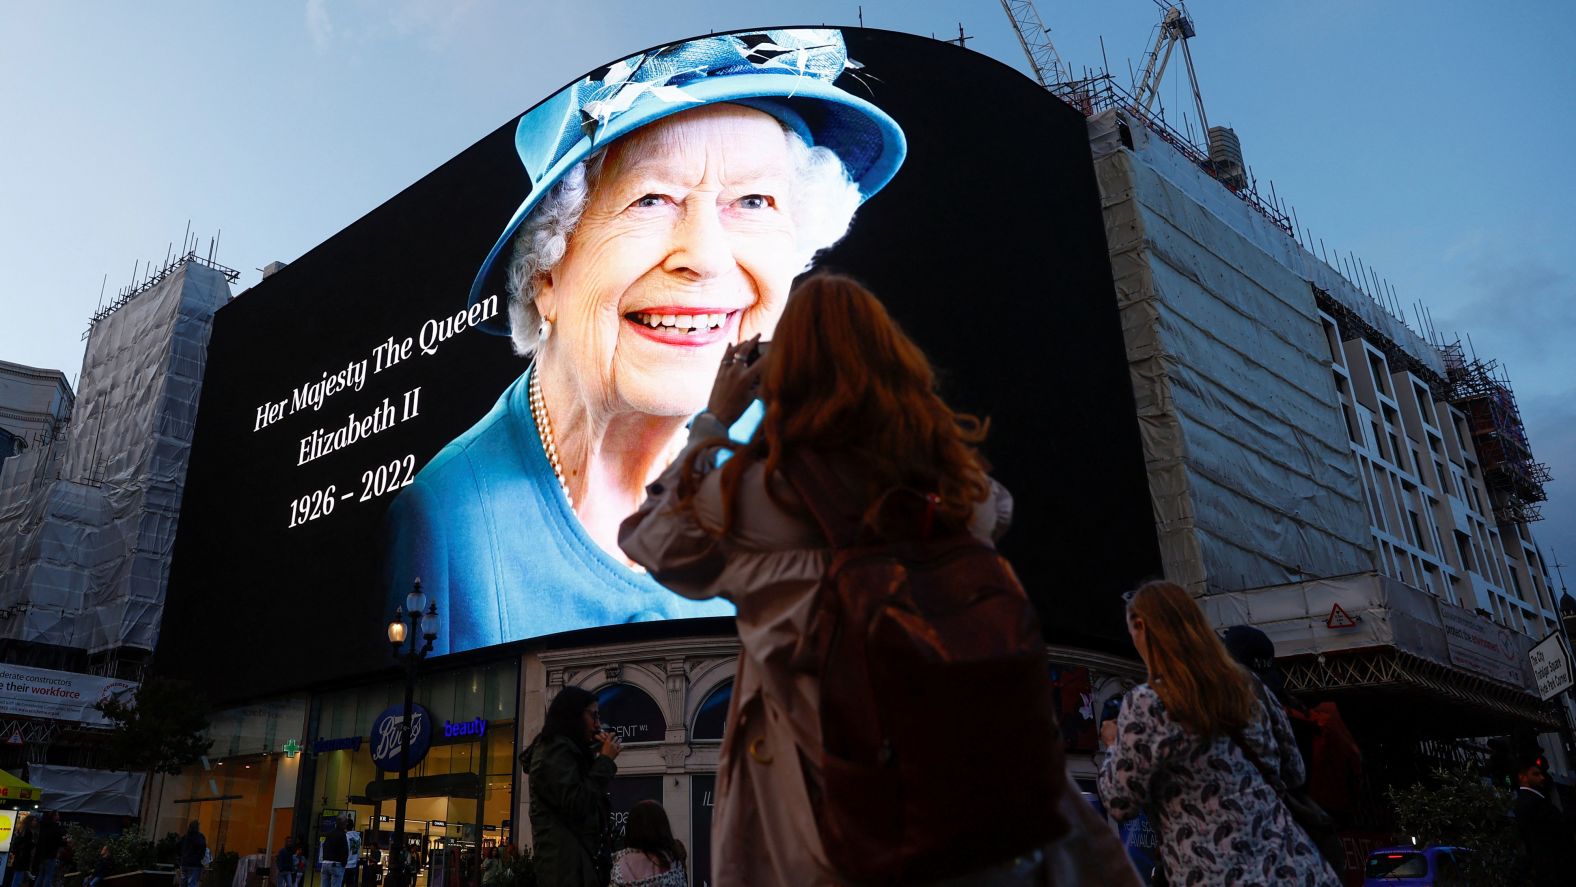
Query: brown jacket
{"x":770,"y":566}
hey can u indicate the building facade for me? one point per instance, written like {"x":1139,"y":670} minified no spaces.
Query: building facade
{"x":1322,"y":471}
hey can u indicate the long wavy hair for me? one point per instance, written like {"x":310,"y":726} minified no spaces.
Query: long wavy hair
{"x":843,"y":379}
{"x":1203,"y":688}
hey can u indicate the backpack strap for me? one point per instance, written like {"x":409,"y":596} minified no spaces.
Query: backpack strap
{"x":824,"y":493}
{"x":1271,"y":778}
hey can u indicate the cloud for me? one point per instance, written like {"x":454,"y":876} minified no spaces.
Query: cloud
{"x":431,"y":24}
{"x":434,"y":20}
{"x":1524,"y":302}
{"x":318,"y":25}
{"x":1551,"y":430}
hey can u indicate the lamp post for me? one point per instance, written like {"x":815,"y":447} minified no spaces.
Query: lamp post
{"x":422,"y":619}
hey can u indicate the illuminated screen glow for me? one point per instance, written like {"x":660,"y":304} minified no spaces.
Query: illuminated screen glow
{"x":362,"y":426}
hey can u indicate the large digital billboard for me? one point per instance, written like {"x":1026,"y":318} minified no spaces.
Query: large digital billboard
{"x":472,"y":384}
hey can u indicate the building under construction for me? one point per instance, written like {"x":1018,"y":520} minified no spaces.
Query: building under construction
{"x":1358,"y":490}
{"x":88,"y":506}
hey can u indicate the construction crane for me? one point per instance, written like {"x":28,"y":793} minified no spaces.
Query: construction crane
{"x":1176,"y":28}
{"x":1035,"y":38}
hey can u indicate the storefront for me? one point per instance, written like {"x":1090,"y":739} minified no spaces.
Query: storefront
{"x":242,"y":794}
{"x":460,"y":793}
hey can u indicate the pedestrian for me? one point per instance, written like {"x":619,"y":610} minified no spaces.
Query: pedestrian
{"x":569,"y":766}
{"x":336,"y":850}
{"x":1190,"y":745}
{"x":1545,"y":832}
{"x":850,"y":400}
{"x":284,"y":864}
{"x":1332,"y":760}
{"x":192,"y":853}
{"x":23,"y":849}
{"x":651,"y":857}
{"x":101,"y":868}
{"x":46,"y":855}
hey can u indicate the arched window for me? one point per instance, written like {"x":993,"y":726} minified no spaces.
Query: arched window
{"x":712,"y":716}
{"x":632,"y":713}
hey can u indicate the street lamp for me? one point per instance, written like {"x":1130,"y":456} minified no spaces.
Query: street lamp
{"x":423,"y":623}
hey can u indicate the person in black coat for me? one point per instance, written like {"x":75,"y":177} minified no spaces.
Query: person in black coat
{"x":192,"y":853}
{"x":284,"y":864}
{"x":46,"y":853}
{"x":1546,"y":832}
{"x":570,"y":765}
{"x":336,"y":852}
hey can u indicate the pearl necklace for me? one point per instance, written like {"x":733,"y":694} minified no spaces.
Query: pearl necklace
{"x":544,"y":430}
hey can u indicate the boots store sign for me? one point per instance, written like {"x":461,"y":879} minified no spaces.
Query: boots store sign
{"x":386,"y":730}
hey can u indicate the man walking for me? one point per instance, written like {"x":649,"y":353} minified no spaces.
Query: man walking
{"x":192,"y":852}
{"x":336,"y":850}
{"x":1545,"y":832}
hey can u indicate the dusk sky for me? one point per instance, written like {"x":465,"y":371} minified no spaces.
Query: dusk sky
{"x":1430,"y":139}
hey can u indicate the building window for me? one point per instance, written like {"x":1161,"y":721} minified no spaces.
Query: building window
{"x":712,"y":715}
{"x":1381,"y":378}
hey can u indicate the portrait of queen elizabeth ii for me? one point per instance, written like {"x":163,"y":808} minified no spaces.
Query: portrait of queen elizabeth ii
{"x":675,"y":196}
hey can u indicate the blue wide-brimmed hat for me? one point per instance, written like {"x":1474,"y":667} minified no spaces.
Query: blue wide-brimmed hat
{"x":788,"y":74}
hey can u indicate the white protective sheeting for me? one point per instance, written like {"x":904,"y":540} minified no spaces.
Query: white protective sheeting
{"x":86,"y":554}
{"x":1251,"y":474}
{"x":80,"y":790}
{"x":1388,"y":613}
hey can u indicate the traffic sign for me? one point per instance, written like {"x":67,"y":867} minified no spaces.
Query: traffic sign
{"x":1551,"y":666}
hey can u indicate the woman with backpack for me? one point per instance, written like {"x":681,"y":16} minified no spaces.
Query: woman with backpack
{"x":1206,"y":749}
{"x":570,"y":765}
{"x":855,"y":448}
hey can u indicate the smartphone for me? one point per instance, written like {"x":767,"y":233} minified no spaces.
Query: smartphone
{"x":757,"y":352}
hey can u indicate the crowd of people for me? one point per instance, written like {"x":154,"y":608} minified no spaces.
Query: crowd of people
{"x":38,"y":848}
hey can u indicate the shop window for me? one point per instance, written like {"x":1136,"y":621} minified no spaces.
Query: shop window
{"x":632,"y":713}
{"x":712,"y":716}
{"x":627,"y":791}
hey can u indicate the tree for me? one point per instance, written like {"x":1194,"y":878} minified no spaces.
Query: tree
{"x":161,"y":730}
{"x":1461,"y":808}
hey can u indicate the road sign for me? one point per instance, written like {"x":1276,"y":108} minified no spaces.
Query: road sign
{"x":1339,"y":618}
{"x":1551,"y":666}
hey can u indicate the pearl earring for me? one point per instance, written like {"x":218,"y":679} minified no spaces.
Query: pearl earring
{"x":543,"y":332}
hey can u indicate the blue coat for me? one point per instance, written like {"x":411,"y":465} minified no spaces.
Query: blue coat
{"x":487,"y":528}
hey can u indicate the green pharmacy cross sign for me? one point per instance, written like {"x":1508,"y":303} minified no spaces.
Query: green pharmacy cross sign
{"x":292,"y":748}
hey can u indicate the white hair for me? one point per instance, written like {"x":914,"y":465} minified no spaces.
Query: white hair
{"x":823,"y":198}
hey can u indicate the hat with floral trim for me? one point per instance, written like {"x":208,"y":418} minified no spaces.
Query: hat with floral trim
{"x":789,"y":74}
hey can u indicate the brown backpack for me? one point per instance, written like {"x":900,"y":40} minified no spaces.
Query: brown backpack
{"x":940,"y":749}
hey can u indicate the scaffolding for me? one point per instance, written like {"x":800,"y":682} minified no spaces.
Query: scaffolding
{"x":152,"y":277}
{"x":1481,"y":391}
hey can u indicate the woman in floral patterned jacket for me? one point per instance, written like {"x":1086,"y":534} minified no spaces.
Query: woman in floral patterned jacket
{"x":1177,"y":750}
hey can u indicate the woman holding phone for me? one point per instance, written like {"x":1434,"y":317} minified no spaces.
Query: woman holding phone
{"x":570,"y":765}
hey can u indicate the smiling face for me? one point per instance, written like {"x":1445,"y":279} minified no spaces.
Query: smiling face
{"x":686,"y":246}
